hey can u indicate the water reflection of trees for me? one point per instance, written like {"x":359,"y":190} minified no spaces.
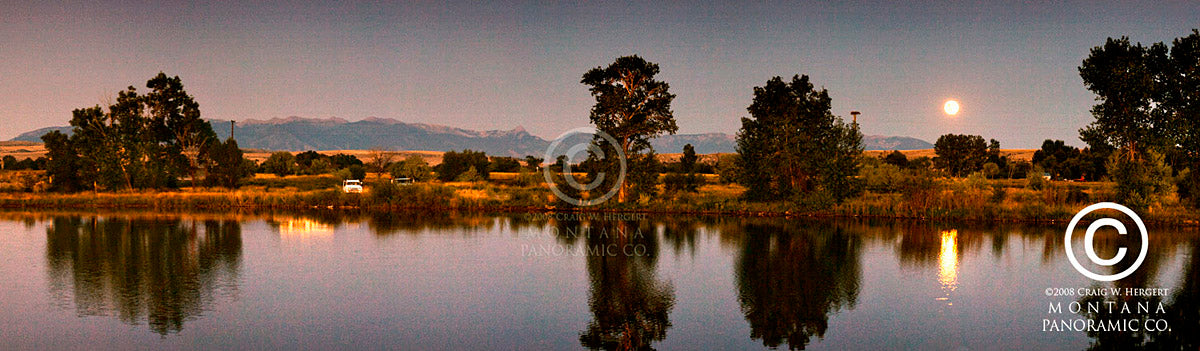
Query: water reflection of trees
{"x":791,"y":277}
{"x":1182,"y":310}
{"x":630,"y":305}
{"x":163,"y":271}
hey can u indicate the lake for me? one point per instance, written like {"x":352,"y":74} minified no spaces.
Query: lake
{"x":335,"y":280}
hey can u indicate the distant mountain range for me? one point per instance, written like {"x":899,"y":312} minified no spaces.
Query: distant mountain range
{"x":299,"y":134}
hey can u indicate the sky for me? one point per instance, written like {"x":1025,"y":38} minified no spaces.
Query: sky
{"x":1011,"y":65}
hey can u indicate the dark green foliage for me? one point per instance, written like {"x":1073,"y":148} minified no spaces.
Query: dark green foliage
{"x":505,"y":164}
{"x":1128,"y":81}
{"x":685,"y":178}
{"x":921,"y":163}
{"x":281,"y":163}
{"x":643,"y":174}
{"x":175,"y":118}
{"x":533,"y":163}
{"x":140,"y":141}
{"x":357,"y":171}
{"x":632,"y":107}
{"x":793,"y":146}
{"x":1141,"y":182}
{"x":896,"y":158}
{"x":11,"y":163}
{"x":456,"y":163}
{"x":471,"y":175}
{"x":413,"y":167}
{"x":63,"y":167}
{"x":687,"y":162}
{"x":560,"y":163}
{"x":340,"y":161}
{"x":727,"y":168}
{"x":960,"y":154}
{"x":227,"y":167}
{"x":1149,"y":102}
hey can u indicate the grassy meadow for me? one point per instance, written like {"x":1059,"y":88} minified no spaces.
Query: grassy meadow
{"x":993,"y":200}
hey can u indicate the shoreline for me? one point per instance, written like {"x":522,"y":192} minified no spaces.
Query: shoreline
{"x":183,"y":201}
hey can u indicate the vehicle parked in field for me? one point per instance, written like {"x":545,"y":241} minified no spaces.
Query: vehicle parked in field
{"x":352,"y":186}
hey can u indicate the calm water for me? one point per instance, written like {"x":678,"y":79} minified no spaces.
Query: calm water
{"x":443,"y":281}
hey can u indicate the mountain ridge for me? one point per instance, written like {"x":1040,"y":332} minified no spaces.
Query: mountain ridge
{"x":294,"y":133}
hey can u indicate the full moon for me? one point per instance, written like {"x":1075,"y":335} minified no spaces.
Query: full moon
{"x":951,"y":107}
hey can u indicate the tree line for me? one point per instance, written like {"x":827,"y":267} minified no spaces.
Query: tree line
{"x":141,"y":141}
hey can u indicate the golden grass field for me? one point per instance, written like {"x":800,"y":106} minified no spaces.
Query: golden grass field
{"x":1013,"y":154}
{"x":22,"y":149}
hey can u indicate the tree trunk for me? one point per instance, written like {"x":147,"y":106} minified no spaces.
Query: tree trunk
{"x":622,"y":190}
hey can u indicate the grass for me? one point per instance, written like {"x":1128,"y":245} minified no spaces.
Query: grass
{"x":947,"y":199}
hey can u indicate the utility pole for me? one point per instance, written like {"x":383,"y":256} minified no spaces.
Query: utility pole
{"x":855,"y":114}
{"x":231,"y":123}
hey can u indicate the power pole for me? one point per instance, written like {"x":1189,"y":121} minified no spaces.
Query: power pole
{"x":855,"y":114}
{"x":231,"y":123}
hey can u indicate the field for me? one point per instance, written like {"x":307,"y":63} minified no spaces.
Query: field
{"x":22,"y":149}
{"x":1012,"y":154}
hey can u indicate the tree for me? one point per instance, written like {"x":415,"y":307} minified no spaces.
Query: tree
{"x":414,"y":167}
{"x":378,"y":159}
{"x":632,"y":107}
{"x":1060,"y":160}
{"x":63,"y":167}
{"x":533,"y":162}
{"x":456,"y":163}
{"x":896,"y":158}
{"x":139,"y":141}
{"x":960,"y":154}
{"x":560,"y":163}
{"x":9,"y":161}
{"x":228,"y":166}
{"x":1141,"y":183}
{"x":687,"y":165}
{"x":470,"y":175}
{"x":281,"y":163}
{"x":344,"y":161}
{"x":792,"y":145}
{"x":727,"y":168}
{"x":176,"y":117}
{"x":357,"y":171}
{"x":505,"y":164}
{"x":1128,"y":81}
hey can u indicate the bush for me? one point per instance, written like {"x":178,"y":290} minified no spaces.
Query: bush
{"x":882,"y":177}
{"x":280,"y":163}
{"x":413,"y":167}
{"x":357,"y":171}
{"x":676,"y":182}
{"x":526,"y":178}
{"x":727,"y":168}
{"x":1140,"y":182}
{"x":471,"y":175}
{"x":1035,"y":180}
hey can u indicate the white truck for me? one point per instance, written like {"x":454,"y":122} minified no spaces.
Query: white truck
{"x":352,"y":186}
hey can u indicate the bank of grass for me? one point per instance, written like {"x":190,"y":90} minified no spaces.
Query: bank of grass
{"x":938,"y":199}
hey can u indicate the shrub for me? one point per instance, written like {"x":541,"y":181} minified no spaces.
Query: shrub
{"x":1141,"y":182}
{"x":1035,"y":180}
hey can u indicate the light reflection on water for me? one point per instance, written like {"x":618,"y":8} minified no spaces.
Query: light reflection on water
{"x":948,"y":264}
{"x":455,"y":281}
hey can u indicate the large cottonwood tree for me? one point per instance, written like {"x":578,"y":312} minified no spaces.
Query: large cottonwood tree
{"x":631,"y":106}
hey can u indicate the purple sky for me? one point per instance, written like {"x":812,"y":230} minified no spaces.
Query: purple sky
{"x":1011,"y":65}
